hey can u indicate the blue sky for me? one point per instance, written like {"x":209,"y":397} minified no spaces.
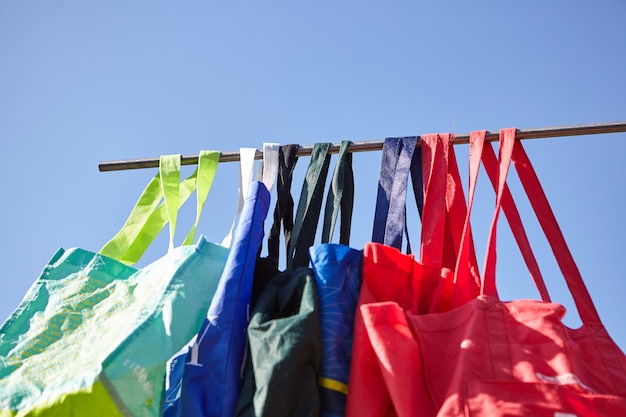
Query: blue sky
{"x":84,"y":82}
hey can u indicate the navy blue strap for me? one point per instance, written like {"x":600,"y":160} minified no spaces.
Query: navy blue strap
{"x":398,"y":159}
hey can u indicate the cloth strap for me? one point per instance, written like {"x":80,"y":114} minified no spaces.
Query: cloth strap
{"x":511,"y":150}
{"x":246,"y":170}
{"x":309,"y":206}
{"x":149,"y":215}
{"x":283,"y":211}
{"x":399,"y":157}
{"x":340,"y":197}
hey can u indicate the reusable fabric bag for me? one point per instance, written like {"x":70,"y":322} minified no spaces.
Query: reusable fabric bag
{"x":92,"y":335}
{"x":389,"y":275}
{"x":337,"y":271}
{"x":206,"y":378}
{"x":423,"y":292}
{"x":516,"y":358}
{"x":285,"y":335}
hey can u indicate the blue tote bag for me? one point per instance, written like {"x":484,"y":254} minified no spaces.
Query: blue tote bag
{"x":205,"y":379}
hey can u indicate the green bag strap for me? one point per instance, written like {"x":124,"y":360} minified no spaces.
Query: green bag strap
{"x":148,"y":218}
{"x":207,"y":166}
{"x":309,"y":206}
{"x":340,"y":197}
{"x":169,"y":170}
{"x":148,"y":201}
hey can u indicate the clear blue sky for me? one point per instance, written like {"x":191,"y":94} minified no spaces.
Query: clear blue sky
{"x":84,"y":82}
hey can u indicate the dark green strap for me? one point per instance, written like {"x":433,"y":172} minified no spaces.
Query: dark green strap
{"x":309,"y":206}
{"x":340,"y":197}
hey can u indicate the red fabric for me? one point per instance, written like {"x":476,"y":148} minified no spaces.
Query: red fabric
{"x":389,"y":275}
{"x":494,"y":358}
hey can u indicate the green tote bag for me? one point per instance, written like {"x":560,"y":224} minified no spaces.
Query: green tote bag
{"x":93,"y":334}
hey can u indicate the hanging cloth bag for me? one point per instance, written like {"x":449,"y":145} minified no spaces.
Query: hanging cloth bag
{"x":388,"y":275}
{"x":389,"y":335}
{"x":205,"y":379}
{"x":76,"y":345}
{"x":284,"y":334}
{"x":494,"y":358}
{"x":337,"y":271}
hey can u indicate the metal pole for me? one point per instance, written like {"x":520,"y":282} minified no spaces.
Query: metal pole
{"x":376,"y":145}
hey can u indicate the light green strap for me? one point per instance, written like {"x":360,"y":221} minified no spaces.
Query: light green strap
{"x":169,"y":169}
{"x":148,"y":218}
{"x":153,"y":226}
{"x":207,"y":166}
{"x":149,"y":199}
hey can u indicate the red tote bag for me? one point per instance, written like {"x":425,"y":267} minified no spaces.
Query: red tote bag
{"x":494,"y":358}
{"x":389,"y":275}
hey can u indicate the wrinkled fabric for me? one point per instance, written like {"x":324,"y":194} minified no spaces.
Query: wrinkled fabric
{"x":285,"y":348}
{"x":77,"y":342}
{"x":211,"y":376}
{"x":337,"y":271}
{"x":494,"y":358}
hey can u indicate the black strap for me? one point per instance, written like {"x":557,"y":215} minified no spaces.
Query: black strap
{"x":283,"y":212}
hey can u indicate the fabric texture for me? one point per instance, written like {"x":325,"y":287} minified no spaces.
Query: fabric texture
{"x":285,"y":349}
{"x":285,"y":333}
{"x":367,"y":396}
{"x":390,"y":276}
{"x":267,"y":267}
{"x":76,"y":344}
{"x":278,"y":312}
{"x":337,"y":271}
{"x":210,"y":382}
{"x":493,"y":358}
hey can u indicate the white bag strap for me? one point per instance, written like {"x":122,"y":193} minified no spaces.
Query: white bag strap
{"x":246,"y":168}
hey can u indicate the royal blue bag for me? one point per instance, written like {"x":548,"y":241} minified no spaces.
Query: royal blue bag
{"x":206,"y":379}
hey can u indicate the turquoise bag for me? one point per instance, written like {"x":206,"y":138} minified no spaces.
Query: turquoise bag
{"x":93,"y":334}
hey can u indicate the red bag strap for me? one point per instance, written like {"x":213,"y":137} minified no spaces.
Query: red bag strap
{"x":466,"y":287}
{"x":547,"y":220}
{"x":434,"y":174}
{"x":443,"y":218}
{"x":515,"y":222}
{"x":512,"y":150}
{"x":478,"y":152}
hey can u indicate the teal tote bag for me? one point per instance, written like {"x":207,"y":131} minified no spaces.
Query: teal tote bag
{"x":93,"y":334}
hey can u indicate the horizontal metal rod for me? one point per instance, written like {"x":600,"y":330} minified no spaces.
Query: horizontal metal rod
{"x":376,"y":145}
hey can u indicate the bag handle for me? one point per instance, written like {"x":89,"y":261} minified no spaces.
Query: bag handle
{"x":443,"y":223}
{"x":479,"y":152}
{"x":398,"y":159}
{"x":515,"y":222}
{"x":340,"y":197}
{"x":268,"y":173}
{"x":205,"y":174}
{"x":169,"y":171}
{"x":547,"y":220}
{"x":246,"y":170}
{"x":309,"y":206}
{"x":512,"y":150}
{"x":268,"y":170}
{"x":283,"y":211}
{"x":148,"y":216}
{"x":445,"y":208}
